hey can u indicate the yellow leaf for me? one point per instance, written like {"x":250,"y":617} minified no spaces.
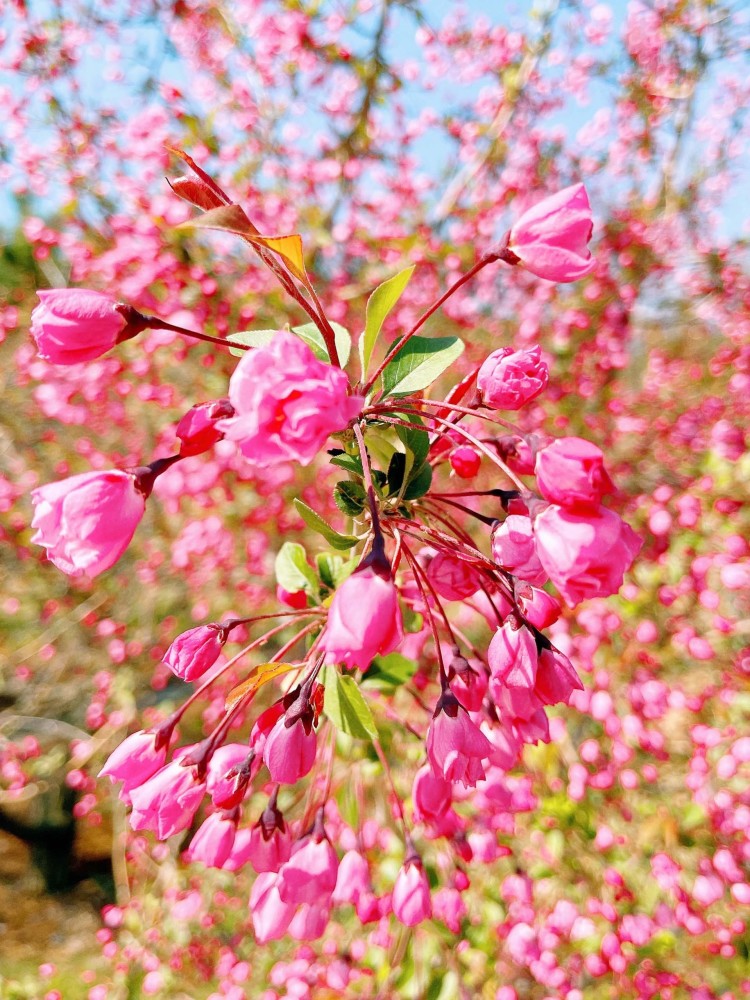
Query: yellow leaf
{"x":261,"y":675}
{"x":289,"y":248}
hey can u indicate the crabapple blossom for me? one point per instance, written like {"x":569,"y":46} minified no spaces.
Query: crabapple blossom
{"x":455,"y":745}
{"x":195,"y":651}
{"x":134,"y":761}
{"x":411,"y":894}
{"x":364,"y":620}
{"x":570,"y":472}
{"x":74,"y":325}
{"x":514,"y":548}
{"x":551,"y":238}
{"x":510,"y":379}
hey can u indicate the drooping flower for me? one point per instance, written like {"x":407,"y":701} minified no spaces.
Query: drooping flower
{"x":556,"y":679}
{"x":271,"y":915}
{"x":570,"y":472}
{"x":167,"y":802}
{"x":195,"y":651}
{"x":86,"y":522}
{"x":73,"y":325}
{"x":510,"y":379}
{"x":512,"y":657}
{"x":453,"y":578}
{"x":289,"y":748}
{"x":585,"y":555}
{"x":270,"y":842}
{"x":513,"y":548}
{"x":309,"y":876}
{"x":213,"y":841}
{"x":411,"y":899}
{"x":455,"y":745}
{"x":286,"y":403}
{"x":551,"y":238}
{"x":431,"y":795}
{"x":134,"y":761}
{"x":364,"y":620}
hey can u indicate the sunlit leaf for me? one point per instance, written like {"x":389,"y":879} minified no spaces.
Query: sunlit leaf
{"x":261,"y":675}
{"x":293,"y":572}
{"x":227,"y":218}
{"x":379,"y":304}
{"x":289,"y":248}
{"x":419,"y":362}
{"x":316,"y":522}
{"x":386,"y":673}
{"x":314,"y":340}
{"x":346,"y":707}
{"x":250,"y":338}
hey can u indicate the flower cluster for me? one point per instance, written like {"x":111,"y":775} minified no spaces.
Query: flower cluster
{"x":383,"y":621}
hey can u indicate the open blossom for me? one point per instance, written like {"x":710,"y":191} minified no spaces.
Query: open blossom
{"x":73,"y":325}
{"x":86,"y":522}
{"x":551,"y":238}
{"x":271,"y":915}
{"x":134,"y":761}
{"x":585,"y":555}
{"x":411,"y":894}
{"x":286,"y":403}
{"x":453,"y":578}
{"x":509,"y":379}
{"x":309,"y":876}
{"x":455,"y":745}
{"x":570,"y":472}
{"x":213,"y":841}
{"x":167,"y":802}
{"x":513,"y":548}
{"x":364,"y":620}
{"x":195,"y":651}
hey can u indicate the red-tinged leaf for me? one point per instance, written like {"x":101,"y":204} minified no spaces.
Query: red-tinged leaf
{"x":289,"y":248}
{"x":227,"y":218}
{"x":260,"y":675}
{"x":209,"y":181}
{"x":196,"y":192}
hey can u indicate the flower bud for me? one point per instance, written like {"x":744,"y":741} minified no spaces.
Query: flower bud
{"x":550,"y":239}
{"x":197,"y":430}
{"x":509,"y":379}
{"x":570,"y":472}
{"x":411,"y":894}
{"x":465,"y":461}
{"x":195,"y":651}
{"x":73,"y":325}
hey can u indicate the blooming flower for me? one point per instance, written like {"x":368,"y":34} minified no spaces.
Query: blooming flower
{"x":134,"y":761}
{"x":213,"y":841}
{"x":286,"y":403}
{"x":167,"y":802}
{"x":513,"y":548}
{"x":509,"y":379}
{"x":551,"y":238}
{"x":86,"y":522}
{"x":364,"y":619}
{"x":271,"y":915}
{"x":309,"y":876}
{"x":512,"y":658}
{"x":411,"y":894}
{"x":72,"y":325}
{"x":571,"y":472}
{"x":290,"y":747}
{"x":453,"y":578}
{"x":431,"y":794}
{"x":455,"y":745}
{"x":584,"y":555}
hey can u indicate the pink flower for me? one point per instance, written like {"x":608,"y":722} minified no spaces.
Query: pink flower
{"x":514,"y":549}
{"x":309,"y":876}
{"x":197,"y":430}
{"x":512,"y":657}
{"x":230,"y":770}
{"x":167,"y":802}
{"x":453,"y":578}
{"x":455,"y":745}
{"x":468,"y":683}
{"x":571,"y":472}
{"x":86,"y":522}
{"x":72,"y":325}
{"x":465,"y":461}
{"x":584,"y":555}
{"x":309,"y":922}
{"x":364,"y":619}
{"x":509,"y":379}
{"x":213,"y":841}
{"x":431,"y":795}
{"x":134,"y":761}
{"x":195,"y":651}
{"x":290,"y":747}
{"x":270,"y":841}
{"x":551,"y":238}
{"x":411,"y":894}
{"x":286,"y":402}
{"x":352,"y":879}
{"x":556,"y":679}
{"x":538,"y":607}
{"x":271,"y":915}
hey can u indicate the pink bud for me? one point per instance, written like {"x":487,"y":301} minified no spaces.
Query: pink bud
{"x":585,"y":556}
{"x":453,"y":578}
{"x":455,"y":745}
{"x":538,"y":607}
{"x":230,"y":769}
{"x":556,"y":679}
{"x":309,"y":876}
{"x":352,"y":880}
{"x":514,"y":549}
{"x":213,"y":841}
{"x":167,"y":802}
{"x":86,"y":522}
{"x":571,"y":472}
{"x":271,"y":915}
{"x":364,"y":619}
{"x":197,"y":430}
{"x":72,"y":325}
{"x":134,"y":761}
{"x":431,"y":795}
{"x":290,"y":748}
{"x":411,"y":894}
{"x":296,"y":599}
{"x":195,"y":651}
{"x":465,"y":461}
{"x":270,"y":841}
{"x":551,"y":237}
{"x":512,"y":657}
{"x":509,"y":379}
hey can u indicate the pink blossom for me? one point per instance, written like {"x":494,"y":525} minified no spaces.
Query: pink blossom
{"x":431,"y":795}
{"x":195,"y":651}
{"x":167,"y":802}
{"x":556,"y":679}
{"x":469,"y":684}
{"x":73,"y":325}
{"x":309,"y":922}
{"x":584,"y":555}
{"x":364,"y":619}
{"x":213,"y":841}
{"x":290,"y":748}
{"x":551,"y":238}
{"x":309,"y":876}
{"x":509,"y":379}
{"x":86,"y":522}
{"x":453,"y":578}
{"x":571,"y":472}
{"x":271,"y":915}
{"x":270,"y":842}
{"x":352,"y":879}
{"x":286,"y":403}
{"x":538,"y":607}
{"x":513,"y":548}
{"x":512,"y":657}
{"x":455,"y":745}
{"x":197,"y":430}
{"x":230,"y":769}
{"x":465,"y":461}
{"x":411,"y":894}
{"x":134,"y":761}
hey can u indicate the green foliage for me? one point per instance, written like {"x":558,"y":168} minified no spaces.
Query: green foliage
{"x":419,"y":362}
{"x":345,"y":706}
{"x":379,"y":305}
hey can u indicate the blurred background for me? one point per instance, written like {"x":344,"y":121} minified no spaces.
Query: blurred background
{"x":387,"y":133}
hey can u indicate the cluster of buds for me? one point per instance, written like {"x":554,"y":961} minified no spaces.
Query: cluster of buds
{"x":387,"y":615}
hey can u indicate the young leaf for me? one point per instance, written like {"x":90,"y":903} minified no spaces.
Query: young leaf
{"x":350,"y":463}
{"x":314,"y":340}
{"x":379,"y":304}
{"x":345,"y":706}
{"x":259,"y":676}
{"x":389,"y":672}
{"x":419,"y":362}
{"x":250,"y":338}
{"x":333,"y":570}
{"x":349,"y":497}
{"x":293,"y":572}
{"x":289,"y":248}
{"x":316,"y":522}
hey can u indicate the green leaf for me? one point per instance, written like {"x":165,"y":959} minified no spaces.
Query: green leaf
{"x":316,"y":522}
{"x":396,"y":470}
{"x":419,"y":483}
{"x":389,"y":672}
{"x":314,"y":340}
{"x":379,"y":304}
{"x":350,"y":463}
{"x":333,"y":570}
{"x":250,"y":338}
{"x":345,"y":706}
{"x":293,"y":572}
{"x":350,"y":498}
{"x":415,"y":441}
{"x":419,"y":362}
